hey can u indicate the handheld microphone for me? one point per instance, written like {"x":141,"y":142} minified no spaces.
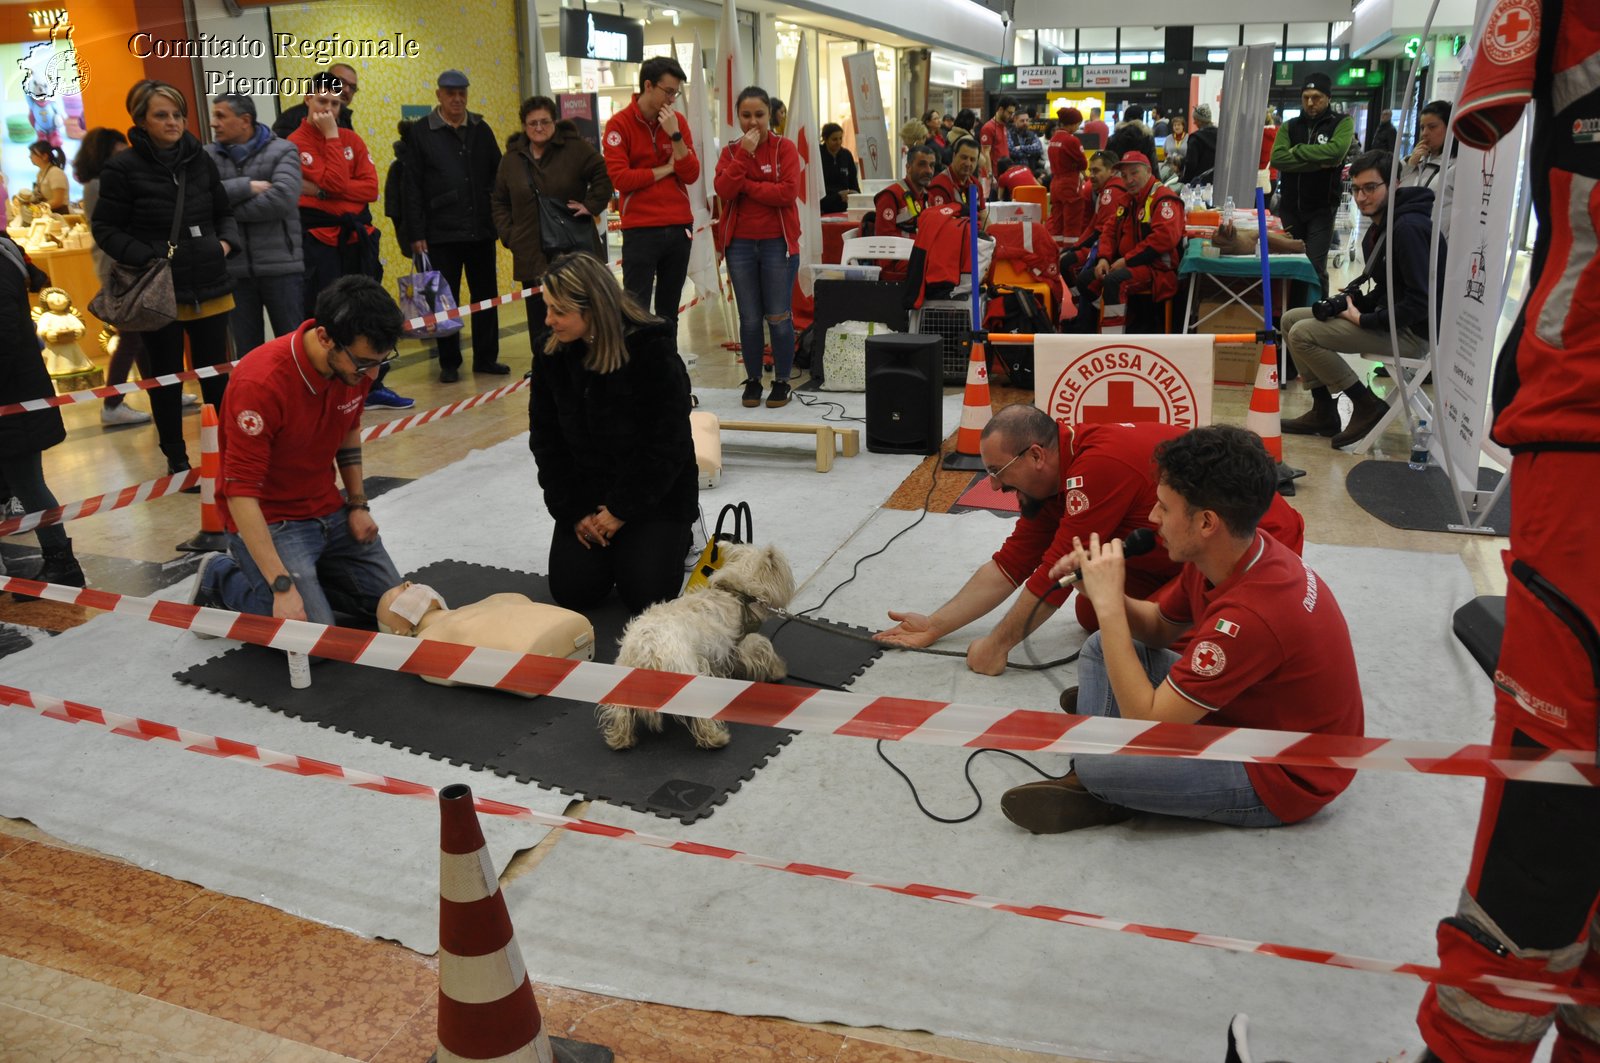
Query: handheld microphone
{"x":1139,"y":541}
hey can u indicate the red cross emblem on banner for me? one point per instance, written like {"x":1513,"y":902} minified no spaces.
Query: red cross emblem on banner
{"x":1120,"y":407}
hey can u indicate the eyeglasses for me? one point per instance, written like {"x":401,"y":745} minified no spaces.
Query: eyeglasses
{"x":670,"y":94}
{"x":1369,"y":189}
{"x":540,"y":123}
{"x":994,"y":476}
{"x":362,"y":364}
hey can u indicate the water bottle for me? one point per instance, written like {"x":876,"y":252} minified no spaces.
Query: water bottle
{"x":1420,"y":440}
{"x":299,"y":670}
{"x":1227,"y":212}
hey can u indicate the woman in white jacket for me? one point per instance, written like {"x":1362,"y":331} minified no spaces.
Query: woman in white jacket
{"x":1426,"y":166}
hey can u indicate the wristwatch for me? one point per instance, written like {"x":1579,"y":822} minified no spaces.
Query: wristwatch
{"x":283,"y":584}
{"x":677,"y":136}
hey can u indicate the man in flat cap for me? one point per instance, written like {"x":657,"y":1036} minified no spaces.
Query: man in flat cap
{"x":449,"y":177}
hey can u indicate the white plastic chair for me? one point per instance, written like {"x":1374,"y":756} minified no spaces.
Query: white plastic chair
{"x":873,"y":248}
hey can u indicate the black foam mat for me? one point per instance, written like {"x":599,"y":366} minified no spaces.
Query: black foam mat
{"x":551,"y":741}
{"x":1419,"y":499}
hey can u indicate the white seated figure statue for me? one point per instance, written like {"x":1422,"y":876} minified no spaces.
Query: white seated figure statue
{"x":58,"y":324}
{"x":512,"y":622}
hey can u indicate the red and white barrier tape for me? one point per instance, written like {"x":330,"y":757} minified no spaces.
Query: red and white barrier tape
{"x":170,"y":484}
{"x":838,"y":712}
{"x":229,"y":749}
{"x":118,"y":389}
{"x":429,"y":320}
{"x":400,"y":424}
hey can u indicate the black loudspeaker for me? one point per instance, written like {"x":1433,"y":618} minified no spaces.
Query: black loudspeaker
{"x":1180,"y":46}
{"x":905,"y":393}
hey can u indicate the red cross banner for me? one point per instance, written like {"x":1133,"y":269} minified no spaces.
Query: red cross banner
{"x":1121,"y":379}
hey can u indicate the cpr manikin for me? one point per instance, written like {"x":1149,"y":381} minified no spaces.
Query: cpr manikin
{"x":512,"y":622}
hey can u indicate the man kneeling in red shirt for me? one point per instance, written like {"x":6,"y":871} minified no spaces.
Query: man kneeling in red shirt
{"x":1267,"y":647}
{"x":296,"y":549}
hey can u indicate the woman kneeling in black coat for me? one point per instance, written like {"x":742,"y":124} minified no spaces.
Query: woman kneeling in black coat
{"x":609,"y":431}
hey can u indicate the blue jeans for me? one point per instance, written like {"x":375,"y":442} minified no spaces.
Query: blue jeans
{"x":1218,"y":791}
{"x":330,"y":569}
{"x":763,"y":275}
{"x":281,"y":298}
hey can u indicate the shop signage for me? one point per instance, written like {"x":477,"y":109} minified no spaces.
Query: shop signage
{"x":1071,"y":77}
{"x":590,"y":35}
{"x":1039,"y":77}
{"x":1283,"y":73}
{"x":1107,"y":77}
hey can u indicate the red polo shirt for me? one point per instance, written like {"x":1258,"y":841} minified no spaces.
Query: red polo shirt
{"x":281,"y":426}
{"x":1269,"y":648}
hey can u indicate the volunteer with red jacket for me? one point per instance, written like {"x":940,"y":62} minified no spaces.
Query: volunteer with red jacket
{"x":1142,"y":258}
{"x":897,"y":209}
{"x":957,"y":183}
{"x":339,"y":185}
{"x":1069,"y":201}
{"x":758,"y":182}
{"x":1267,"y":647}
{"x":651,"y":160}
{"x":1071,"y":482}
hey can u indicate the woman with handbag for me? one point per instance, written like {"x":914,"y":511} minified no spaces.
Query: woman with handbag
{"x":758,"y":182}
{"x":24,"y":437}
{"x":609,"y":431}
{"x":162,"y":207}
{"x":94,"y":151}
{"x":550,"y":188}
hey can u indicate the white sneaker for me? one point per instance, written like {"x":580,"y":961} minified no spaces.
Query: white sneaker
{"x":190,"y":400}
{"x":122,"y":413}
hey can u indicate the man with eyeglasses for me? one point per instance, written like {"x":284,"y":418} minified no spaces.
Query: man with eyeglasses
{"x":1309,"y":151}
{"x":1071,"y":481}
{"x":651,"y":160}
{"x":1362,"y":326}
{"x":297,"y":550}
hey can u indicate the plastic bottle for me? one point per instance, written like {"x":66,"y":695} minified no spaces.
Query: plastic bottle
{"x":1421,"y":439}
{"x":299,"y":670}
{"x":1227,"y":213}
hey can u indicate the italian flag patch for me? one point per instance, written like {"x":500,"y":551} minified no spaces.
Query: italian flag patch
{"x":1228,"y":627}
{"x":1072,"y":482}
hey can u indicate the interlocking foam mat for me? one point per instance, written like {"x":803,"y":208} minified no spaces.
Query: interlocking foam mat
{"x":1419,"y":499}
{"x":550,"y":741}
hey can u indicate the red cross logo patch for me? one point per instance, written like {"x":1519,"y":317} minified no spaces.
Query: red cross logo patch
{"x":1208,"y":659}
{"x":251,"y":423}
{"x":1513,"y":31}
{"x":613,"y":138}
{"x":1077,"y":502}
{"x":1166,"y":211}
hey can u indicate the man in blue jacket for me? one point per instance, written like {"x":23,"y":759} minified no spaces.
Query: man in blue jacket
{"x":1362,"y":326}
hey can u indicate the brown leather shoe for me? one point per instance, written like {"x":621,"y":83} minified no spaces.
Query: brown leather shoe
{"x":1069,"y":700}
{"x":1318,"y":421}
{"x":1055,"y":806}
{"x":1362,"y":420}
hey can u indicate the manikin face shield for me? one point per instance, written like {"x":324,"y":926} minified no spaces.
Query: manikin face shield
{"x":413,"y":603}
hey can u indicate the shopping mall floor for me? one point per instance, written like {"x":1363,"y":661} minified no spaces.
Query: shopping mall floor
{"x":100,"y":959}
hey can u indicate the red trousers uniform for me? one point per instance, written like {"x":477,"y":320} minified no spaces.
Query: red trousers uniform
{"x":1528,"y":910}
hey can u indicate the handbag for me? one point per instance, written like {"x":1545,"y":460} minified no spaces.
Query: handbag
{"x":424,"y":292}
{"x":743,"y":530}
{"x":561,"y":231}
{"x":141,"y":298}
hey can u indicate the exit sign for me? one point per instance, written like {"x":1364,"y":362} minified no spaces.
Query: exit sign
{"x":1139,"y":75}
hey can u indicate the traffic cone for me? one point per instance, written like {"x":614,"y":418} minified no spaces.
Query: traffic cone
{"x":486,"y":1005}
{"x":1264,"y":417}
{"x":211,"y":536}
{"x":976,"y":410}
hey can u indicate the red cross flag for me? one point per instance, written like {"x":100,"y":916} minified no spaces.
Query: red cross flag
{"x":803,"y":128}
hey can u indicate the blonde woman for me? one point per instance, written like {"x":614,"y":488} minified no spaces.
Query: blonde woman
{"x":609,"y":431}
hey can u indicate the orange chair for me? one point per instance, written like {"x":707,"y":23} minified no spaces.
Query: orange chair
{"x":1004,"y":272}
{"x":1034,"y":194}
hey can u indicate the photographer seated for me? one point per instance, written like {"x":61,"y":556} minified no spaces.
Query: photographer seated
{"x":1356,"y":320}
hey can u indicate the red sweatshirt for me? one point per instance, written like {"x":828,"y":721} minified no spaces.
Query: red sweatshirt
{"x":759,"y":192}
{"x":634,"y":147}
{"x":342,"y":168}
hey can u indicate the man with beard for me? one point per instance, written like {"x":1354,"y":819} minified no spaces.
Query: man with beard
{"x":1071,"y":481}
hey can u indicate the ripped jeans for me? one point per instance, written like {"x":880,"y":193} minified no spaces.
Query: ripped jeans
{"x":763,"y":275}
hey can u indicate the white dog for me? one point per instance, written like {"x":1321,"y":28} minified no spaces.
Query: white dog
{"x":710,"y":631}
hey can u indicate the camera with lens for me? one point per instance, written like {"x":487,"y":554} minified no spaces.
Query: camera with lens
{"x":1331,"y":307}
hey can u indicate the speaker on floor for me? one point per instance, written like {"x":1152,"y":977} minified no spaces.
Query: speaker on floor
{"x":905,"y":393}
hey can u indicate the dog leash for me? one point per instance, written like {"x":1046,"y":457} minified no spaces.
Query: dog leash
{"x":824,"y":625}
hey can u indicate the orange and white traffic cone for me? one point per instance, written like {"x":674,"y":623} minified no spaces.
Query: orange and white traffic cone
{"x":976,"y":409}
{"x":486,"y":1005}
{"x":1264,"y":417}
{"x":211,"y":535}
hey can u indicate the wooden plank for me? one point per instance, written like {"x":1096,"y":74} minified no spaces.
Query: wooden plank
{"x":826,"y":434}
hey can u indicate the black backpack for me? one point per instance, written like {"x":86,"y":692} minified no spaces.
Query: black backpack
{"x":1019,"y":312}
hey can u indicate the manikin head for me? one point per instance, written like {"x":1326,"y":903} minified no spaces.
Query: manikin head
{"x":401,"y":609}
